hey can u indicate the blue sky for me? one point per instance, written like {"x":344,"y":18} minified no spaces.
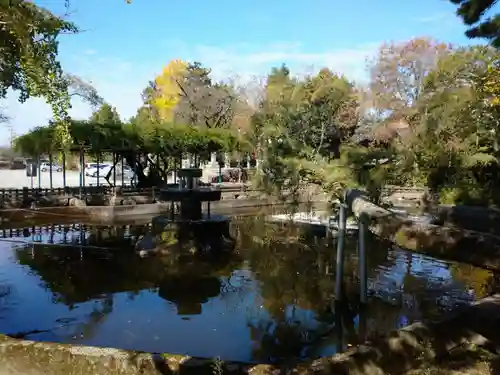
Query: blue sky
{"x":123,"y":46}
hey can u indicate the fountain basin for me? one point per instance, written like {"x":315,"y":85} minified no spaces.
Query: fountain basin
{"x":201,"y":193}
{"x":190,"y":172}
{"x":205,"y":219}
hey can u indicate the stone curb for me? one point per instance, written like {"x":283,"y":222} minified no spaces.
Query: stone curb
{"x":39,"y":358}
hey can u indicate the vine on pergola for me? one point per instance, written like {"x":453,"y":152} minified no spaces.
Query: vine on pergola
{"x":154,"y":138}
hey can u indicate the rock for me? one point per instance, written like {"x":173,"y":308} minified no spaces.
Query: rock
{"x":29,"y":203}
{"x":146,"y":242}
{"x":75,"y":202}
{"x":139,"y":239}
{"x":49,"y":201}
{"x":5,"y":203}
{"x":111,"y":201}
{"x":128,"y":202}
{"x":96,"y":200}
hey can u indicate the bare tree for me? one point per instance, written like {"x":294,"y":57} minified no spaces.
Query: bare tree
{"x":203,"y":102}
{"x":399,"y":69}
{"x":77,"y":87}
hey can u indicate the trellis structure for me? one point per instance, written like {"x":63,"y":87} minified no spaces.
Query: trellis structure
{"x":158,"y":147}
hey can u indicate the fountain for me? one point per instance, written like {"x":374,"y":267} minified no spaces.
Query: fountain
{"x":190,"y":227}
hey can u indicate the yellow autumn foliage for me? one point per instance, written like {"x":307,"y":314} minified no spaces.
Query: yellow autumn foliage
{"x":168,"y":89}
{"x":475,"y":279}
{"x":491,"y":85}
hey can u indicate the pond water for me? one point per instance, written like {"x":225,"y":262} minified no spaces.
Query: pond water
{"x":271,"y":300}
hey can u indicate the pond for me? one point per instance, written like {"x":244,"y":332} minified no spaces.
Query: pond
{"x":269,"y":301}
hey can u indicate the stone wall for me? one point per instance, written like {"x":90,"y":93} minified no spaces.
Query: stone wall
{"x":226,"y":206}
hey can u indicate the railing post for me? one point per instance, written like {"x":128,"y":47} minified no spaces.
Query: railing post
{"x":25,"y":194}
{"x":339,"y":274}
{"x":362,"y":268}
{"x":64,"y":168}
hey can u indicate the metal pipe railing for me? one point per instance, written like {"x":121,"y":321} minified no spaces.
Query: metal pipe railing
{"x":457,"y":244}
{"x":344,"y":211}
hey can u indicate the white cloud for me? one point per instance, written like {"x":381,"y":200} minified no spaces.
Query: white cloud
{"x":247,"y":61}
{"x":120,"y":81}
{"x":440,"y":23}
{"x":434,"y":18}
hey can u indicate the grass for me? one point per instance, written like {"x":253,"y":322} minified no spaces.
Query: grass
{"x":217,"y":366}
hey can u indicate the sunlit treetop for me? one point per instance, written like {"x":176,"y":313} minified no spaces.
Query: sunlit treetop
{"x":168,"y":89}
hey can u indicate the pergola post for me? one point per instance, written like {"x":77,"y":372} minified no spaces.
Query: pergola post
{"x":121,"y":164}
{"x":98,"y":166}
{"x":64,"y":168}
{"x":39,"y":174}
{"x":82,"y":172}
{"x":50,"y":169}
{"x":115,"y":161}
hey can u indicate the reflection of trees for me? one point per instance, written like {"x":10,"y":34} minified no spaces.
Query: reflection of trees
{"x":479,"y":280}
{"x":416,"y":292}
{"x":74,"y":276}
{"x":295,"y":272}
{"x":292,"y":270}
{"x":100,"y":310}
{"x":116,"y":237}
{"x":6,"y":296}
{"x":96,"y":275}
{"x":425,"y":294}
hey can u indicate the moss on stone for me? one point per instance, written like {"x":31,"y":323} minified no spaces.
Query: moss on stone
{"x":32,"y":358}
{"x":38,"y":358}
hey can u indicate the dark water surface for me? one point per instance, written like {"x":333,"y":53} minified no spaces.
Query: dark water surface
{"x":269,"y":301}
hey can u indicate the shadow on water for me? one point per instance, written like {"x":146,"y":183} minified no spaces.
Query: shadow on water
{"x":271,"y":300}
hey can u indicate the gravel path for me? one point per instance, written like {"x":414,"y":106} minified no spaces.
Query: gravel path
{"x":18,"y":179}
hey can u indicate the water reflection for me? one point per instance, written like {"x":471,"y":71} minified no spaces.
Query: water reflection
{"x":271,"y":300}
{"x":189,"y":293}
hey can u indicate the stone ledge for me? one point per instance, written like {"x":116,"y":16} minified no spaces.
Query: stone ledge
{"x":39,"y":358}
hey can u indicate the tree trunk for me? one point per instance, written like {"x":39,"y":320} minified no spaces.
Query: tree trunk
{"x":143,"y":181}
